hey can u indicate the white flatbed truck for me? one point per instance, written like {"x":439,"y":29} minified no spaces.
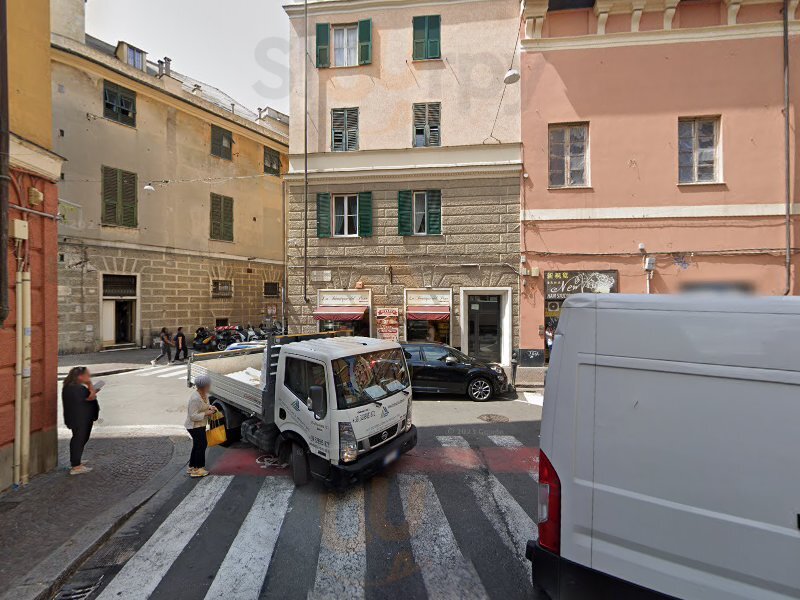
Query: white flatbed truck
{"x":335,"y":407}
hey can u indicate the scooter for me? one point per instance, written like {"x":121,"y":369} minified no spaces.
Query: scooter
{"x":204,"y":340}
{"x":226,"y":336}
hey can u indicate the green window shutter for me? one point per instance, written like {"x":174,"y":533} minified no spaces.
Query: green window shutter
{"x":216,"y":217}
{"x":227,"y":219}
{"x":323,"y":45}
{"x":365,"y":214}
{"x":434,"y":49}
{"x":404,"y":200}
{"x":128,"y":204}
{"x":434,"y":212}
{"x":420,"y":25}
{"x":324,"y":215}
{"x":216,"y":141}
{"x":365,"y":42}
{"x":110,"y":196}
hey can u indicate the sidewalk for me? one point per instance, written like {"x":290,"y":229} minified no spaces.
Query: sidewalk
{"x":49,"y":526}
{"x":108,"y":363}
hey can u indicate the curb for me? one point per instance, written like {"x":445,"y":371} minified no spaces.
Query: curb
{"x":62,"y":376}
{"x":47,"y":576}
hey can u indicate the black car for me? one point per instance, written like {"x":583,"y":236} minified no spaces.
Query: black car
{"x":440,"y":369}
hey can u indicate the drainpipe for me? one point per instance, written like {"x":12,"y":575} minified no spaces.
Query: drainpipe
{"x":18,"y":383}
{"x":787,"y":150}
{"x":4,"y":162}
{"x":285,"y":257}
{"x":25,"y":450}
{"x":305,"y":155}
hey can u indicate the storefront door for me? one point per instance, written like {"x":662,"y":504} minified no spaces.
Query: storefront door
{"x":485,"y":327}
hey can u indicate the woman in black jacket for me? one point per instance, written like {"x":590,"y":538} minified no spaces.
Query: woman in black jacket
{"x":80,"y":412}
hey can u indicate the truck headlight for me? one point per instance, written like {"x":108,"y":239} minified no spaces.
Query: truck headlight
{"x":348,"y":446}
{"x":408,"y":415}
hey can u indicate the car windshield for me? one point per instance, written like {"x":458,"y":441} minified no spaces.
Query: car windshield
{"x":369,"y":377}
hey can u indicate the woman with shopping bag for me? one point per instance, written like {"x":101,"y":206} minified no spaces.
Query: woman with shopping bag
{"x":199,"y":410}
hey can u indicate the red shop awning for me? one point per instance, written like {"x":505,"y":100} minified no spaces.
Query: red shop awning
{"x":428,"y":313}
{"x":340,"y":313}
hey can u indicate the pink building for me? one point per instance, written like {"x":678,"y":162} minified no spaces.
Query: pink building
{"x":654,"y":150}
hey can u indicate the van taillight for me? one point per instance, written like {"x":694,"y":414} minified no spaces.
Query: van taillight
{"x":549,"y":506}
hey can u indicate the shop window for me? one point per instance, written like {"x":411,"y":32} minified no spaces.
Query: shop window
{"x":698,"y":150}
{"x":568,"y":155}
{"x":221,"y":288}
{"x":119,"y":104}
{"x":221,"y":142}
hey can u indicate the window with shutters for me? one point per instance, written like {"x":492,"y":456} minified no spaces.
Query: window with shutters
{"x":347,"y":44}
{"x":119,"y":190}
{"x":271,"y":289}
{"x":221,"y":288}
{"x":345,"y":215}
{"x":419,"y":212}
{"x":119,"y":104}
{"x":272,"y":161}
{"x":427,"y":117}
{"x":427,"y":37}
{"x":698,"y":150}
{"x":221,"y":142}
{"x":344,"y":129}
{"x":569,"y":152}
{"x":221,"y":218}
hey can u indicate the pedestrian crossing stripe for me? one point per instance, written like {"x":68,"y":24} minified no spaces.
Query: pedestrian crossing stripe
{"x":442,"y":565}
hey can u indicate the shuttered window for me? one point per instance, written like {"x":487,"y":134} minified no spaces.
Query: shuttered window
{"x":419,"y":213}
{"x":344,"y":129}
{"x":365,"y":42}
{"x":323,"y":215}
{"x":427,"y":37}
{"x":272,"y":161}
{"x":221,"y":142}
{"x":323,"y":45}
{"x":119,"y":104}
{"x":119,"y":198}
{"x":344,"y":215}
{"x":427,"y":130}
{"x":221,"y":218}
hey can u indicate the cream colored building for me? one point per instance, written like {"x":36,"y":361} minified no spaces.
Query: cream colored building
{"x":171,"y":196}
{"x":414,"y":171}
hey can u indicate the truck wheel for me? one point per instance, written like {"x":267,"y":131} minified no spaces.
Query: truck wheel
{"x":232,"y":434}
{"x":299,"y":462}
{"x":479,"y":389}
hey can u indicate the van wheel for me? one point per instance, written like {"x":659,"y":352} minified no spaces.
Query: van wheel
{"x":299,"y":462}
{"x":479,"y":389}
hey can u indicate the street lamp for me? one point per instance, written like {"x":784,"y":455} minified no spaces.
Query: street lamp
{"x":511,"y":76}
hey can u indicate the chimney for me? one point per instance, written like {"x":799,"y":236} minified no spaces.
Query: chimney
{"x":68,"y":19}
{"x":260,"y":113}
{"x":233,"y":107}
{"x":161,"y":68}
{"x":167,"y":66}
{"x":197,"y":89}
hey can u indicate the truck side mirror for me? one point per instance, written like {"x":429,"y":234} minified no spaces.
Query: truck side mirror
{"x":318,"y":401}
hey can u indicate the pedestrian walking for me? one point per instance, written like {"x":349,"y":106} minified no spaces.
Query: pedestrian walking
{"x":79,"y":399}
{"x":180,"y":345}
{"x":166,"y":347}
{"x":198,"y":412}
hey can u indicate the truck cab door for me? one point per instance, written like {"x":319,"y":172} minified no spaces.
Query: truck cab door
{"x":300,"y":375}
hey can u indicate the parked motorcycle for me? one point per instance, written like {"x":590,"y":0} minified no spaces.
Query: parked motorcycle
{"x":227,"y":335}
{"x":204,"y":340}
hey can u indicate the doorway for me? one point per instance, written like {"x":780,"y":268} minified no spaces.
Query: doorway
{"x":125,"y":317}
{"x":485,"y":327}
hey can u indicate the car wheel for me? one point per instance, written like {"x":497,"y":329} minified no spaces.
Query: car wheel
{"x":221,"y":345}
{"x":299,"y":462}
{"x":479,"y":389}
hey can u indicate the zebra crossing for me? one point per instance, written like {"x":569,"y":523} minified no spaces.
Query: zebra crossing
{"x":440,"y":535}
{"x":172,"y":371}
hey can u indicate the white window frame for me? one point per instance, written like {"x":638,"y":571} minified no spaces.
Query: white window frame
{"x":717,"y":148}
{"x":345,"y":198}
{"x":346,"y":27}
{"x":568,"y":127}
{"x":414,"y":213}
{"x":136,"y":58}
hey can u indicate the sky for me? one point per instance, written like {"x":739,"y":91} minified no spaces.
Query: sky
{"x":239,"y":46}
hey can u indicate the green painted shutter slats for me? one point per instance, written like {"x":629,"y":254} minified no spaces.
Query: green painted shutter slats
{"x":365,"y":42}
{"x":221,"y":218}
{"x":420,"y":27}
{"x":365,"y":214}
{"x":128,"y":187}
{"x":323,"y":45}
{"x":434,"y":37}
{"x":434,"y":212}
{"x":227,"y":218}
{"x":216,"y":217}
{"x":404,"y":200}
{"x":119,"y":192}
{"x":110,"y":195}
{"x":427,"y":37}
{"x":323,"y":215}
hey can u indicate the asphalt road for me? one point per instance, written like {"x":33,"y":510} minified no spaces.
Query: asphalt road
{"x":448,"y":520}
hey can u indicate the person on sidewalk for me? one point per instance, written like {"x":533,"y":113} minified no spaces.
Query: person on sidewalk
{"x":81,"y":410}
{"x":180,"y":345}
{"x":198,"y":411}
{"x":166,"y":347}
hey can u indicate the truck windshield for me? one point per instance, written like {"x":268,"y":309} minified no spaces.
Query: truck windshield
{"x":370,"y":377}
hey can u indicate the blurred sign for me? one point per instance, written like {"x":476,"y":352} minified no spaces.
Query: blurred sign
{"x":558,"y":285}
{"x":343,"y":298}
{"x":531,"y":357}
{"x":428,"y":297}
{"x":388,"y":323}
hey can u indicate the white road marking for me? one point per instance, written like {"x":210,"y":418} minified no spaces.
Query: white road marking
{"x":142,"y":573}
{"x":242,"y":573}
{"x":445,"y":571}
{"x":159,"y":371}
{"x":531,"y":398}
{"x":452,"y":441}
{"x":342,"y":561}
{"x":506,"y":441}
{"x":181,"y":373}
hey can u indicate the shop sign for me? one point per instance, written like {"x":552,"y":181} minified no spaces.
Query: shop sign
{"x":388,"y":323}
{"x":344,"y":298}
{"x":531,"y":357}
{"x":428,"y":298}
{"x":558,"y":285}
{"x":321,"y":276}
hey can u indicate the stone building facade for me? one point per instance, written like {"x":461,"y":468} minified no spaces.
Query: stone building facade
{"x":172,"y":199}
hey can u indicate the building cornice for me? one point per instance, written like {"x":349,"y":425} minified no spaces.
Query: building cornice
{"x":332,"y":7}
{"x":30,"y":157}
{"x":80,"y":56}
{"x":694,"y":211}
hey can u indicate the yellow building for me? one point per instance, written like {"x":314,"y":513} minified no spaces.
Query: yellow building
{"x":172,"y":196}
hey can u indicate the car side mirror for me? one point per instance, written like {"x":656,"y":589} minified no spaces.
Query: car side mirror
{"x":318,"y":401}
{"x":450,"y":360}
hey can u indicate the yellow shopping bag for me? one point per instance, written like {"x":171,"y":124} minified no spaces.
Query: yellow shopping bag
{"x":215,"y":434}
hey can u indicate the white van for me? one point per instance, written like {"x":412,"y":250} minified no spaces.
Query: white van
{"x":670,"y":449}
